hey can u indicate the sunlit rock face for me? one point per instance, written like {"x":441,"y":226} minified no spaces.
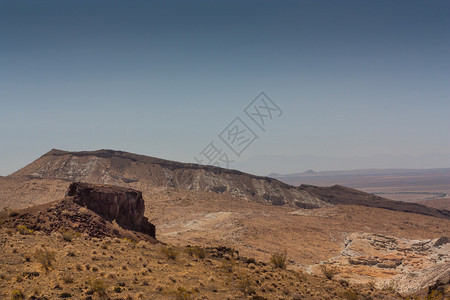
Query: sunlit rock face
{"x":123,"y":205}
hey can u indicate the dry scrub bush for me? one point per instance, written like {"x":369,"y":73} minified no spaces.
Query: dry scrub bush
{"x":228,"y":265}
{"x":45,"y":257}
{"x":98,"y":287}
{"x":245,"y":284}
{"x":170,"y":252}
{"x":83,"y":210}
{"x":67,"y":278}
{"x":200,"y":252}
{"x":350,"y":294}
{"x":279,"y":260}
{"x":17,"y":295}
{"x":131,"y":242}
{"x":189,"y":250}
{"x":182,"y":294}
{"x":329,"y":272}
{"x":69,"y":234}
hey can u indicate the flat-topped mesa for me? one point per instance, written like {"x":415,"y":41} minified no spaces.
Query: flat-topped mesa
{"x":124,"y":205}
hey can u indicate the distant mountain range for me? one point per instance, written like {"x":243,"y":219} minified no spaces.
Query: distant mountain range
{"x":265,"y":164}
{"x":362,"y":172}
{"x":412,"y":185}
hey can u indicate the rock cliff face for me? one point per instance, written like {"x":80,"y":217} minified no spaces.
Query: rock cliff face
{"x":96,"y":210}
{"x":123,"y":205}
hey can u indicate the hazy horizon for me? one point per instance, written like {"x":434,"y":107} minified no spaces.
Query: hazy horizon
{"x":359,"y":84}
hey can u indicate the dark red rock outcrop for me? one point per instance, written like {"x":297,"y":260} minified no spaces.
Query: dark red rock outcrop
{"x":96,"y":210}
{"x":123,"y":205}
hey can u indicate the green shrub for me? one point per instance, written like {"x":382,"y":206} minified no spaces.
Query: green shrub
{"x":279,"y":260}
{"x":22,"y":229}
{"x":131,"y":241}
{"x":45,"y":257}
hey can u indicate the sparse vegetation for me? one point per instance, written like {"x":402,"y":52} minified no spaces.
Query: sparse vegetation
{"x":182,"y":294}
{"x":435,"y":295}
{"x":224,"y":275}
{"x":45,"y":257}
{"x":131,"y":241}
{"x":279,"y":260}
{"x":328,"y":271}
{"x":389,"y":287}
{"x":67,"y":278}
{"x":83,"y":210}
{"x":350,"y":294}
{"x":17,"y":295}
{"x":200,"y":252}
{"x":170,"y":252}
{"x":246,"y":285}
{"x":22,"y":229}
{"x":69,"y":234}
{"x":189,"y":250}
{"x":98,"y":286}
{"x":228,"y":265}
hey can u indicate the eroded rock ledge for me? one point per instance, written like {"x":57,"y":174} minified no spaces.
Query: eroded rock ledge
{"x":95,"y":210}
{"x":123,"y":205}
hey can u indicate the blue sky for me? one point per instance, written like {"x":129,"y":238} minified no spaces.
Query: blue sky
{"x":164,"y":78}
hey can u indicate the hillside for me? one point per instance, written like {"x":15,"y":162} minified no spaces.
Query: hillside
{"x":347,"y":229}
{"x":96,"y":242}
{"x":143,"y":172}
{"x":114,"y":268}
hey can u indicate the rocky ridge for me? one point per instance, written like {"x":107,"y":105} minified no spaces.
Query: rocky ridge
{"x":144,"y":173}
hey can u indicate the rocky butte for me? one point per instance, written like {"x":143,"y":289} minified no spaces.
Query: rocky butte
{"x":96,"y":210}
{"x":123,"y":205}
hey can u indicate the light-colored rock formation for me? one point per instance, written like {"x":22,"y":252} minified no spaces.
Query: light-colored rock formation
{"x":404,"y":265}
